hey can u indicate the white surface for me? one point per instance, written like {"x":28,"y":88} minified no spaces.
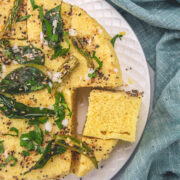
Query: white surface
{"x":134,"y":68}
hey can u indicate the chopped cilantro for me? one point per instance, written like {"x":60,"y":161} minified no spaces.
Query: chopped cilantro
{"x":92,"y":75}
{"x":25,"y":153}
{"x":120,"y":35}
{"x":32,"y":140}
{"x":13,"y":129}
{"x":11,"y":158}
{"x":59,"y":107}
{"x":8,"y":160}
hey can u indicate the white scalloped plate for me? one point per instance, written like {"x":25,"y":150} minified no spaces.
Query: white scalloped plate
{"x":135,"y":75}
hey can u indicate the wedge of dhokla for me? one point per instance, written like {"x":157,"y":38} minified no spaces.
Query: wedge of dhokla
{"x":80,"y":25}
{"x":113,"y":115}
{"x":5,"y":10}
{"x":18,"y":29}
{"x":102,"y":148}
{"x":56,"y":167}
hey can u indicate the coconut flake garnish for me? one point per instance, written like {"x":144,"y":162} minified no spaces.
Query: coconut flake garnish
{"x":45,"y":42}
{"x":72,"y":32}
{"x":4,"y":68}
{"x":5,"y":153}
{"x":14,"y":62}
{"x":48,"y":126}
{"x":3,"y":71}
{"x":65,"y":122}
{"x":49,"y":74}
{"x":91,"y":70}
{"x":51,"y":107}
{"x":25,"y":139}
{"x":90,"y":41}
{"x":57,"y":77}
{"x":50,"y":84}
{"x":15,"y":49}
{"x":55,"y":22}
{"x":100,"y":31}
{"x":41,"y":36}
{"x":41,"y":108}
{"x":87,"y":77}
{"x":116,"y":70}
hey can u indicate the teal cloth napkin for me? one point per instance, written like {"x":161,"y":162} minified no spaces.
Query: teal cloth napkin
{"x":157,"y":26}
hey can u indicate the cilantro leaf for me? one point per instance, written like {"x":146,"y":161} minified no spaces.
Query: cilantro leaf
{"x":1,"y":147}
{"x":32,"y":140}
{"x":8,"y":160}
{"x":52,"y":26}
{"x":50,"y":151}
{"x":60,"y":109}
{"x":11,"y":158}
{"x":25,"y":153}
{"x":11,"y":130}
{"x":120,"y":35}
{"x":92,"y":75}
{"x":59,"y":50}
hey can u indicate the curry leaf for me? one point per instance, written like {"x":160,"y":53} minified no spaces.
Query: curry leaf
{"x":52,"y":26}
{"x":24,"y":80}
{"x":21,"y":54}
{"x":28,"y":55}
{"x":11,"y":130}
{"x":12,"y":109}
{"x":50,"y":151}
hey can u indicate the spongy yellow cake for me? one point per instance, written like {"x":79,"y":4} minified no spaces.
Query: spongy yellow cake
{"x":5,"y":10}
{"x":19,"y":29}
{"x":96,"y":41}
{"x":78,"y":21}
{"x":59,"y":165}
{"x":102,"y":149}
{"x":114,"y":114}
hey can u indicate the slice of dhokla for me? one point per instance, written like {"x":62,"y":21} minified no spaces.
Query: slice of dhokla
{"x":19,"y":29}
{"x":114,"y":114}
{"x":102,"y":148}
{"x":59,"y":165}
{"x":5,"y":10}
{"x":34,"y":23}
{"x":79,"y":24}
{"x":94,"y":39}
